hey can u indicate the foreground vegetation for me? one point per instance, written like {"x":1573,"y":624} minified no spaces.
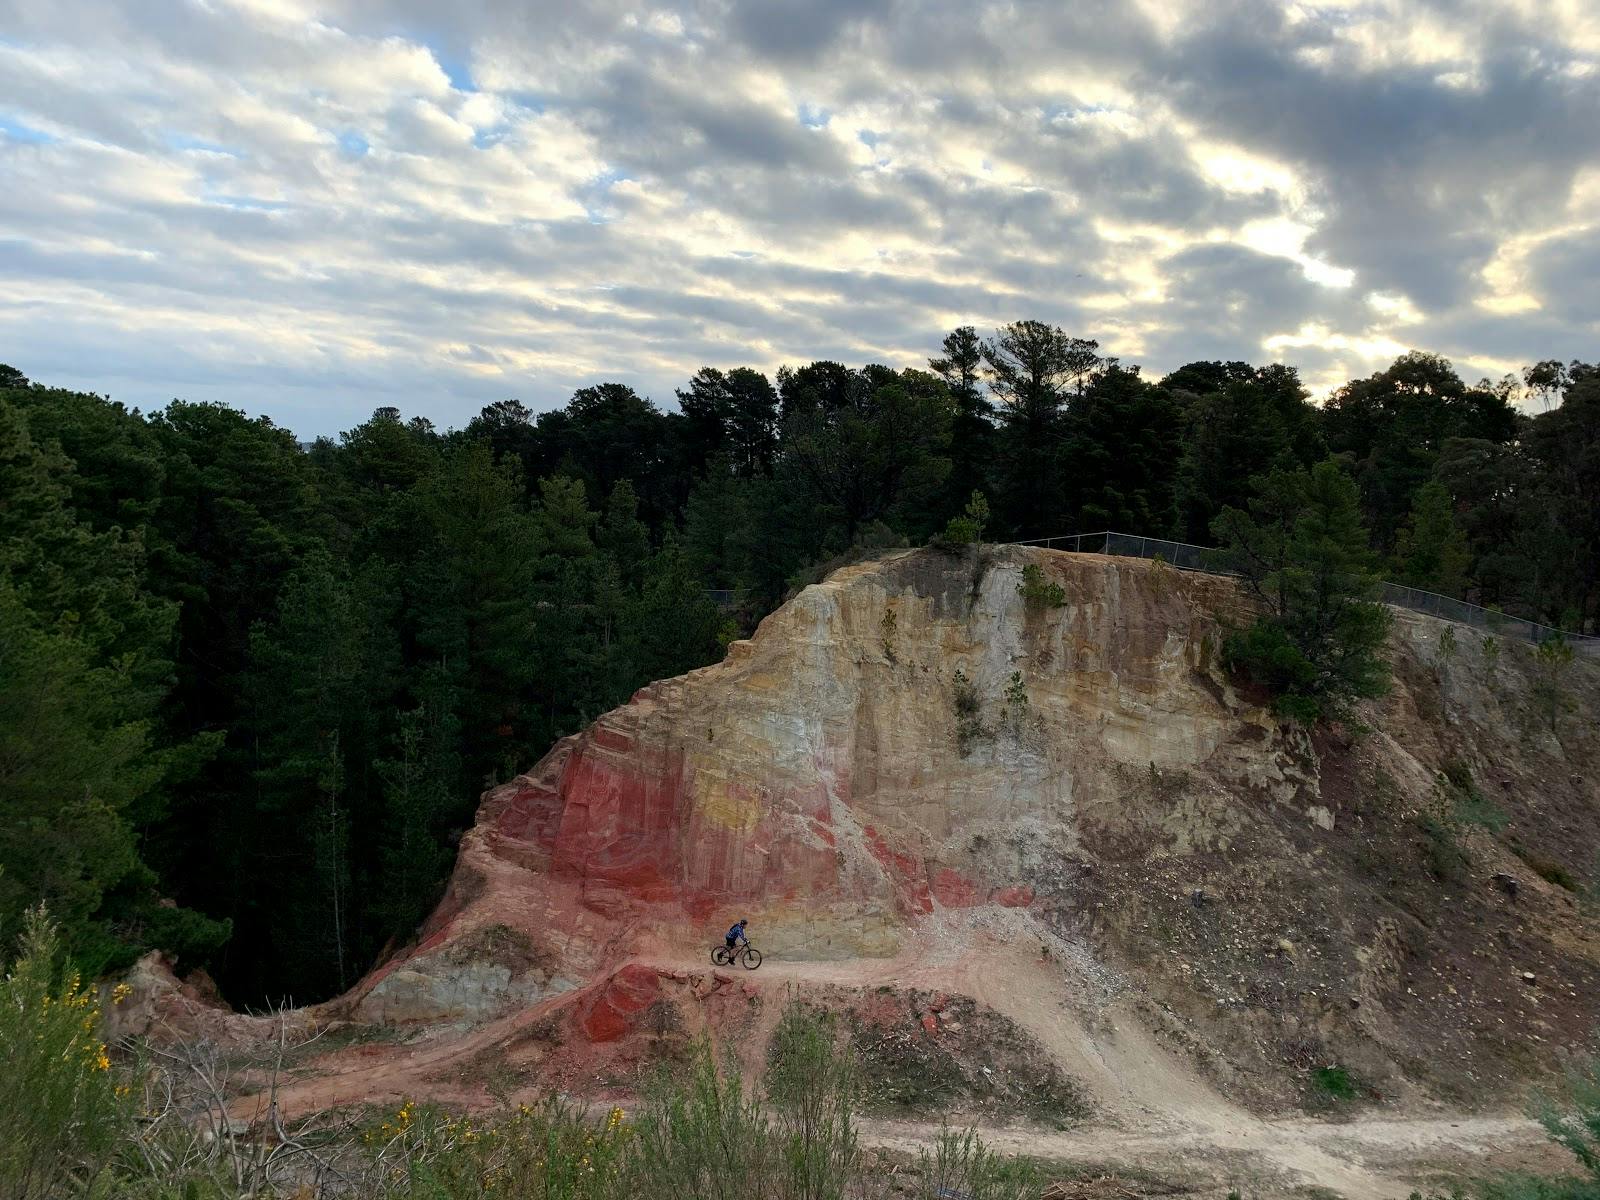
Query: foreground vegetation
{"x":156,"y":1125}
{"x":252,"y":689}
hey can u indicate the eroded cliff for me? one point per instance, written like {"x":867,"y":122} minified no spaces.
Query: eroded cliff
{"x":927,"y":793}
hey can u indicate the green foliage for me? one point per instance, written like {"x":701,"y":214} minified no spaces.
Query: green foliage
{"x":959,"y":1163}
{"x":1552,"y":659}
{"x":1572,"y":1118}
{"x":1334,"y":1085}
{"x":1039,"y":593}
{"x":968,"y":712}
{"x":1432,"y":552}
{"x":546,"y":1152}
{"x":967,"y":529}
{"x":84,"y":655}
{"x":269,"y":682}
{"x":1458,"y":809}
{"x":56,"y":1086}
{"x":1302,"y":550}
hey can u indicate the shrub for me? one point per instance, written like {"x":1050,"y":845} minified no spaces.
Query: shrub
{"x":969,"y":724}
{"x":1553,"y":657}
{"x":703,"y":1136}
{"x":1039,"y":593}
{"x":966,"y":529}
{"x":544,"y":1152}
{"x":812,"y":1087}
{"x":56,"y":1085}
{"x":960,"y":1164}
{"x":1333,"y":1084}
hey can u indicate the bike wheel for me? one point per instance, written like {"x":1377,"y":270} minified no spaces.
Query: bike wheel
{"x":719,"y":956}
{"x":752,"y":959}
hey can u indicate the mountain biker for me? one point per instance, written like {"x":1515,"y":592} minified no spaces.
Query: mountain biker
{"x":736,"y":936}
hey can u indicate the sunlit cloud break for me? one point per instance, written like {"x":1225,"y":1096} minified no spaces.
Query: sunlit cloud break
{"x":309,"y":209}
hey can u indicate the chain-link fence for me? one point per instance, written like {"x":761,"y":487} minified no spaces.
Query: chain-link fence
{"x":1201,"y":558}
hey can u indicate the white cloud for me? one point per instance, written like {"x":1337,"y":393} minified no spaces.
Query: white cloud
{"x":313,"y":206}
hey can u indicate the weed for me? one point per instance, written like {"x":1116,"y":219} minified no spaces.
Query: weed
{"x":887,"y":629}
{"x":1039,"y":594}
{"x":1015,"y":712}
{"x":968,"y":708}
{"x":1546,"y":869}
{"x":1445,"y":857}
{"x":57,"y":1088}
{"x":1334,"y":1085}
{"x":1553,"y":657}
{"x":1491,"y":660}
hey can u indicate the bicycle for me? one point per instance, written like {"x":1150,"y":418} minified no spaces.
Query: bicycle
{"x":748,"y":954}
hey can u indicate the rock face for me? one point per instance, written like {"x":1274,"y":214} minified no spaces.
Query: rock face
{"x":910,"y":763}
{"x":823,"y":781}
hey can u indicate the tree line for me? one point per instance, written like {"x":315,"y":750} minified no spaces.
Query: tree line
{"x":250,"y":690}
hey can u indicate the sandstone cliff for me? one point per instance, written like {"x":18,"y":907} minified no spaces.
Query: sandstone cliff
{"x":972,"y":823}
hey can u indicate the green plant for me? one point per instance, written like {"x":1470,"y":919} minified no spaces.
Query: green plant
{"x":811,"y":1085}
{"x":1553,"y":658}
{"x":960,"y":1164}
{"x":1447,"y":644}
{"x":1445,"y":857}
{"x":969,"y":723}
{"x":1334,"y":1084}
{"x":1015,"y":711}
{"x":1465,"y":806}
{"x":701,"y":1135}
{"x":56,"y":1084}
{"x":1302,"y":551}
{"x":886,"y":628}
{"x":1571,"y":1119}
{"x":966,"y":529}
{"x":1038,"y":593}
{"x":1491,"y":660}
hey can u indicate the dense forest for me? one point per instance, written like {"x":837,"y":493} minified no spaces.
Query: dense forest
{"x":250,"y":690}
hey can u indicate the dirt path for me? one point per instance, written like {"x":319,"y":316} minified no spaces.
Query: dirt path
{"x":1379,"y":1159}
{"x":1154,"y":1110}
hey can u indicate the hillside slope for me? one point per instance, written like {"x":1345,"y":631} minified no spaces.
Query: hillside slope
{"x":1025,"y":852}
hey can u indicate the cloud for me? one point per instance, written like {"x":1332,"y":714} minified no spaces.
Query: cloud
{"x":311,"y":207}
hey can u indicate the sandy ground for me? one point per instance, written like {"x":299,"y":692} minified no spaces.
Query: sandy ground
{"x":1154,"y":1111}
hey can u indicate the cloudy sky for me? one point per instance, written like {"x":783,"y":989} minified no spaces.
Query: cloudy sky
{"x":312,"y":207}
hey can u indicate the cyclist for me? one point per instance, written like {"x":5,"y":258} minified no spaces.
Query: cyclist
{"x":736,"y":936}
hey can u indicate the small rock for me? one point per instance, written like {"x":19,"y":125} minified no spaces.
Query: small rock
{"x":1528,"y":977}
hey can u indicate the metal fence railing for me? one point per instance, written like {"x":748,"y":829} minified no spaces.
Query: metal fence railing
{"x":1189,"y":557}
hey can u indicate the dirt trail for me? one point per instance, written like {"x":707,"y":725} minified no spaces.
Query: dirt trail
{"x":1379,"y":1159}
{"x":1153,"y":1109}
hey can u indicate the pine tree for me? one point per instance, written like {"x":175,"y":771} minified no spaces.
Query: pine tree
{"x":1432,"y":551}
{"x":1303,"y":551}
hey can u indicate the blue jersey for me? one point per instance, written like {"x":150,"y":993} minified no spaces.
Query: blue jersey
{"x":736,"y":933}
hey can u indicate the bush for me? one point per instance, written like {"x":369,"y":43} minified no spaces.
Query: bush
{"x":960,"y":1164}
{"x":1333,"y":1084}
{"x":969,"y":722}
{"x":56,"y":1085}
{"x":967,"y":529}
{"x":1037,"y":592}
{"x":701,"y":1132}
{"x":548,"y":1152}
